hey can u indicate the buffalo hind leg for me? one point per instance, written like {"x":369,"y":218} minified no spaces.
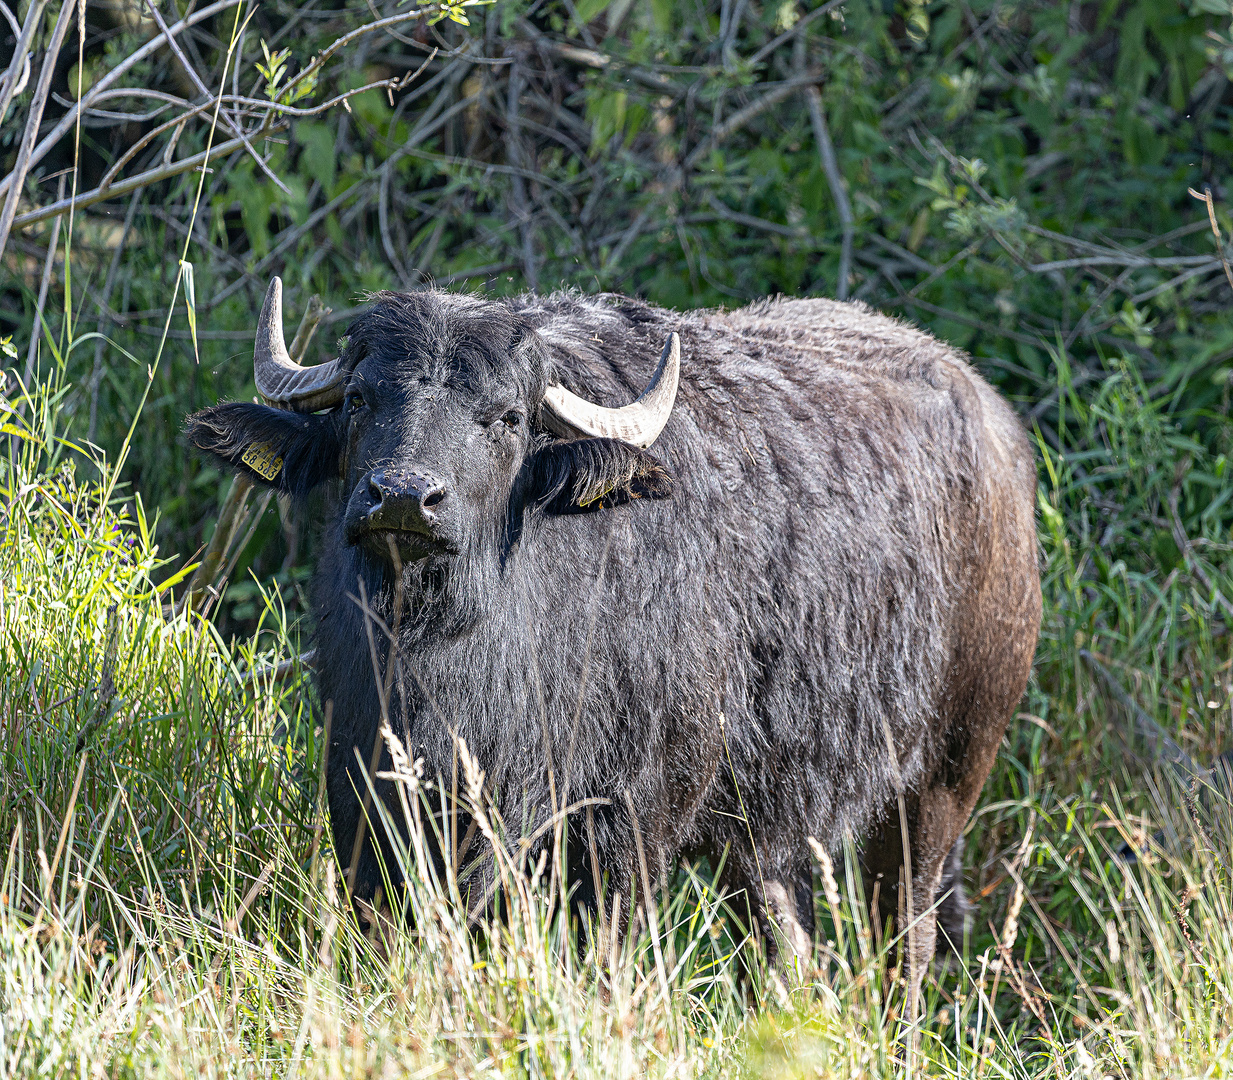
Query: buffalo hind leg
{"x":882,"y":866}
{"x":936,"y":818}
{"x":954,"y":911}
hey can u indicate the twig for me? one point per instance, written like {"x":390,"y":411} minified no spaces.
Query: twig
{"x":228,"y":119}
{"x":288,"y":238}
{"x":421,"y":132}
{"x":253,"y":517}
{"x":487,"y":167}
{"x":583,"y":28}
{"x":899,"y":107}
{"x":230,"y":518}
{"x":592,"y":58}
{"x":979,"y":324}
{"x":235,"y":512}
{"x":959,"y":256}
{"x":1115,"y":259}
{"x":1084,"y":325}
{"x":383,"y":226}
{"x":168,"y":100}
{"x":801,"y":26}
{"x":728,"y":30}
{"x":125,"y":187}
{"x":48,"y":263}
{"x":627,"y":238}
{"x":517,"y":186}
{"x":1206,"y":197}
{"x":313,"y":315}
{"x":288,"y":513}
{"x":1172,"y":283}
{"x":741,"y":117}
{"x":342,"y":42}
{"x":272,"y":109}
{"x":723,"y":211}
{"x":909,"y":257}
{"x":491,"y":270}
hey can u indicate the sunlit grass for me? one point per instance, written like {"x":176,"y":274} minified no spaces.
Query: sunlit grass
{"x":170,"y":905}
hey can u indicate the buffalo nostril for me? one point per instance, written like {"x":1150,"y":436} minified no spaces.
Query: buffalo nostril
{"x":403,"y":501}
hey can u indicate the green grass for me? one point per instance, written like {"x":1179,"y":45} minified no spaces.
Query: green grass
{"x":170,"y":904}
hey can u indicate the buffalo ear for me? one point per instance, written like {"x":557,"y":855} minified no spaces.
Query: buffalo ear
{"x":289,"y":452}
{"x":593,"y":474}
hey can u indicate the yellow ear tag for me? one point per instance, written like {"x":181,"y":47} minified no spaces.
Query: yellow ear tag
{"x":260,"y":458}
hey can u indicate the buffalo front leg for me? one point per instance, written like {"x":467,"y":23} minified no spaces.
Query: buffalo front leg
{"x":793,"y":942}
{"x":782,"y":903}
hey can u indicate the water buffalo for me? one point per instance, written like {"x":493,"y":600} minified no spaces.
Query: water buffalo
{"x":793,"y":584}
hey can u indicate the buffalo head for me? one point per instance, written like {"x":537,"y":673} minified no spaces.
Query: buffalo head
{"x":444,"y":418}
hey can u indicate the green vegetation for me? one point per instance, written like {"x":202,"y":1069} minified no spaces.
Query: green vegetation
{"x":1015,"y":177}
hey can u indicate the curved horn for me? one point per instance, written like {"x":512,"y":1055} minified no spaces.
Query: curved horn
{"x":280,"y":380}
{"x":572,"y":417}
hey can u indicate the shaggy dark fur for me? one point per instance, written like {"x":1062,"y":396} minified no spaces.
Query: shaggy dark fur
{"x":829,"y":551}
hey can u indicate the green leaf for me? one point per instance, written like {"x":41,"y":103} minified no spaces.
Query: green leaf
{"x":317,"y":159}
{"x":176,"y":578}
{"x":190,"y":301}
{"x":589,"y":9}
{"x":9,"y":429}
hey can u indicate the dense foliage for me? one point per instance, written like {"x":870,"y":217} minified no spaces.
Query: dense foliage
{"x":1015,"y":176}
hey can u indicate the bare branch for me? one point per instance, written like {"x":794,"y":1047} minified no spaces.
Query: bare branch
{"x":1128,"y":259}
{"x":592,"y":58}
{"x":14,"y":83}
{"x":629,"y":236}
{"x":227,"y":118}
{"x":346,"y":39}
{"x":124,"y":187}
{"x":517,"y":187}
{"x":834,"y":179}
{"x":66,"y":122}
{"x":796,"y":232}
{"x":1206,"y":197}
{"x":40,"y":305}
{"x":37,"y":105}
{"x":741,"y":117}
{"x":96,"y":373}
{"x":801,"y":26}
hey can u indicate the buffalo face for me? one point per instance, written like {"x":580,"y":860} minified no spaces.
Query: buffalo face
{"x":443,"y":424}
{"x":434,"y":442}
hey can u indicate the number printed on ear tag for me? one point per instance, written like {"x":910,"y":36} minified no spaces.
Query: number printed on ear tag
{"x":260,"y":457}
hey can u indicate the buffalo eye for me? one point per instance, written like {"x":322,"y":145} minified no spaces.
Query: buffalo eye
{"x":356,"y":401}
{"x":511,"y":419}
